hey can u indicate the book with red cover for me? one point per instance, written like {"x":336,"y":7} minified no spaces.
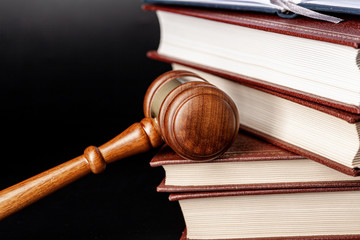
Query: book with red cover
{"x":345,"y":116}
{"x":257,"y":82}
{"x":250,"y":163}
{"x":344,"y":34}
{"x":310,"y":213}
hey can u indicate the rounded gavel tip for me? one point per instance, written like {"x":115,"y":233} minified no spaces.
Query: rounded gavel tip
{"x":159,"y":83}
{"x":196,"y":119}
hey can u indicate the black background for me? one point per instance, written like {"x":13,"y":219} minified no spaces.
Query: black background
{"x":73,"y":73}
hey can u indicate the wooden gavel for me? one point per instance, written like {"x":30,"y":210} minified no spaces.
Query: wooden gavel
{"x":196,"y":119}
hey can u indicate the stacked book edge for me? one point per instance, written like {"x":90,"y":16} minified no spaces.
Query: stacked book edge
{"x":291,"y":173}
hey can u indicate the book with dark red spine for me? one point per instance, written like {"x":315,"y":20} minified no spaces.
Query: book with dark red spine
{"x":325,"y":134}
{"x":250,"y":163}
{"x":310,"y":213}
{"x":313,"y":60}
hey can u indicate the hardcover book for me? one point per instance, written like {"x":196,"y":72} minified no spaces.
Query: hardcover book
{"x":324,"y":134}
{"x":250,"y":163}
{"x":311,"y":213}
{"x":316,"y":60}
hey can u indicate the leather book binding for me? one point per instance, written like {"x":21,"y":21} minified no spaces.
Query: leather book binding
{"x":347,"y":34}
{"x":183,"y":196}
{"x":258,"y":158}
{"x":259,"y":83}
{"x":322,"y":105}
{"x":253,"y":195}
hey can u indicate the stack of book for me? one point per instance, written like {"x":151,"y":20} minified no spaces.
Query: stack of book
{"x":292,"y":172}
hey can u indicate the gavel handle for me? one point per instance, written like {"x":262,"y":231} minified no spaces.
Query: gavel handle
{"x":138,"y":138}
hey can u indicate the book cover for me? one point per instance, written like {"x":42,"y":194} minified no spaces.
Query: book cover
{"x":347,"y":33}
{"x":324,"y":134}
{"x":310,"y":59}
{"x":258,"y":82}
{"x":230,"y":88}
{"x":349,"y":7}
{"x":250,"y":163}
{"x":317,"y":213}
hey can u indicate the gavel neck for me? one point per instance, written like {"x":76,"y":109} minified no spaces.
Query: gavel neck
{"x":138,"y":138}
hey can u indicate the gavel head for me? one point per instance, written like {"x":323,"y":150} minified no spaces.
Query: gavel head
{"x":196,"y":119}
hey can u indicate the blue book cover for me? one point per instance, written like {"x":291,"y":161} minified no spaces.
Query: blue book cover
{"x":284,"y":8}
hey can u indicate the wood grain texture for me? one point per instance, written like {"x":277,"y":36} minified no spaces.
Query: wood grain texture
{"x":199,"y":121}
{"x":18,"y":196}
{"x":138,"y":138}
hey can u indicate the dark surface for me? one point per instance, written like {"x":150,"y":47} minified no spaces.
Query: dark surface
{"x":69,"y":68}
